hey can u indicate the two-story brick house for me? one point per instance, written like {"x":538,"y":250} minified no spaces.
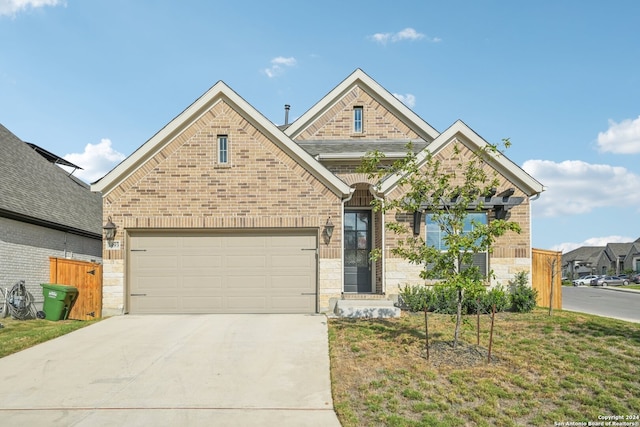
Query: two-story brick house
{"x":223,"y":211}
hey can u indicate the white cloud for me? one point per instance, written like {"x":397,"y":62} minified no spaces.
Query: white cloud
{"x":278,"y":65}
{"x":406,"y":34}
{"x":12,"y":7}
{"x":409,"y":100}
{"x":96,"y":160}
{"x":593,"y":241}
{"x":574,"y":187}
{"x":621,"y":138}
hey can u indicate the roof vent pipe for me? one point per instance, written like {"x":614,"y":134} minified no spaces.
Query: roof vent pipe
{"x":286,"y":113}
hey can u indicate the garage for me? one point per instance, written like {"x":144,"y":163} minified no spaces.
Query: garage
{"x":222,"y":272}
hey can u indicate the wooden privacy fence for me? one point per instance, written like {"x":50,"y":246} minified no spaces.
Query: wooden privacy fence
{"x":546,"y":266}
{"x":87,"y":278}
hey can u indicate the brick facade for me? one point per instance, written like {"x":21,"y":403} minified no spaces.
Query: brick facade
{"x":181,"y":185}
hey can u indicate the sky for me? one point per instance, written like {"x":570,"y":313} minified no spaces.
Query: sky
{"x":92,"y":80}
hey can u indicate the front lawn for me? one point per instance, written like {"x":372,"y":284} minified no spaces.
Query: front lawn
{"x":571,"y":367}
{"x":16,"y":335}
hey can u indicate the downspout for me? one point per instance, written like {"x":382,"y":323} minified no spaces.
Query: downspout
{"x":382,"y":241}
{"x":531,"y":199}
{"x":344,"y":201}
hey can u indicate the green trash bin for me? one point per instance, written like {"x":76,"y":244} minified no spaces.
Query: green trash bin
{"x":57,"y":300}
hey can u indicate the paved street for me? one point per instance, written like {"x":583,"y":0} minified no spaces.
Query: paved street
{"x":607,"y":302}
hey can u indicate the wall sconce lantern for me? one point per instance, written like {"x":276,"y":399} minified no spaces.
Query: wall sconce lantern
{"x":109,"y":231}
{"x":328,"y":229}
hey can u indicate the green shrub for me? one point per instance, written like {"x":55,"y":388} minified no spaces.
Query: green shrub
{"x":495,"y":296}
{"x":415,"y":297}
{"x":444,"y":299}
{"x":523,"y":296}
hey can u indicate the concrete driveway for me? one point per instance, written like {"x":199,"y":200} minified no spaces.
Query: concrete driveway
{"x":175,"y":370}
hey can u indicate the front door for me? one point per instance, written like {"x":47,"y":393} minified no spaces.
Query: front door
{"x":357,"y":251}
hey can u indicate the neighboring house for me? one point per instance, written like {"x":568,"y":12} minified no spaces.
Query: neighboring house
{"x":614,"y":258}
{"x":632,"y":259}
{"x":44,"y":212}
{"x":222,"y":211}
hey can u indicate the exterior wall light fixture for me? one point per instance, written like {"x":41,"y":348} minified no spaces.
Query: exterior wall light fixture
{"x":328,"y":229}
{"x":109,"y":231}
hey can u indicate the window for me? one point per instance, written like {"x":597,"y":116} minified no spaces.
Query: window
{"x":223,"y":149}
{"x":357,"y":119}
{"x":435,"y":236}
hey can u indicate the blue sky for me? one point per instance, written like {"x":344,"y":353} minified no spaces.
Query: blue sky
{"x":93,"y":80}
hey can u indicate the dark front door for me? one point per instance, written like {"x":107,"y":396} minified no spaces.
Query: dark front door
{"x":357,"y":251}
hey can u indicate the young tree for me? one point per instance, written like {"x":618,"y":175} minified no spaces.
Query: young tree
{"x":449,"y":188}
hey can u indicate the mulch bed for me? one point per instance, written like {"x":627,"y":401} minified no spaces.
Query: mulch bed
{"x":442,"y":353}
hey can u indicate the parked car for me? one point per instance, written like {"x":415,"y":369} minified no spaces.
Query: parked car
{"x":585,"y":280}
{"x":611,"y":281}
{"x":635,"y":278}
{"x":594,"y":281}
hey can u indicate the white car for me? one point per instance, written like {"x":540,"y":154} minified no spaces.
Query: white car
{"x":584,"y":281}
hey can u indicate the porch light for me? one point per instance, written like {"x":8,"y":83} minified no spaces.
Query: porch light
{"x":109,"y":230}
{"x":328,"y":228}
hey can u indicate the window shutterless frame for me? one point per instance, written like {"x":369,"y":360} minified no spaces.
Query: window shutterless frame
{"x":223,"y":149}
{"x":357,"y":119}
{"x":435,"y":237}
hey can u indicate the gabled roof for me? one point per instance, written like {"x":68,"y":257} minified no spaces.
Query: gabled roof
{"x":384,"y":97}
{"x":464,"y":134}
{"x":219,"y":92}
{"x":618,"y":249}
{"x":35,"y":190}
{"x":583,"y":254}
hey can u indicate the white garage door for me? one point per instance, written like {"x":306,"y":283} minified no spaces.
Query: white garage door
{"x":178,"y":272}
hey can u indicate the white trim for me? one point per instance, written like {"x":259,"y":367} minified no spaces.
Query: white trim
{"x":344,"y":201}
{"x":227,"y":153}
{"x":461,"y":132}
{"x":390,"y":102}
{"x":383,"y":258}
{"x":355,"y":121}
{"x":371,"y":245}
{"x":218,"y":93}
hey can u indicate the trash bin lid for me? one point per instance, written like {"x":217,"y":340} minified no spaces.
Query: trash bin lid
{"x":60,"y":288}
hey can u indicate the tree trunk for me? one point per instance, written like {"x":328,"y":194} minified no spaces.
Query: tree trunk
{"x":458,"y":318}
{"x":426,"y":332}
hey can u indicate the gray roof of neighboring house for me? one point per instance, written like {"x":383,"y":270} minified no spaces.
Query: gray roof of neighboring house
{"x":33,"y":189}
{"x":619,"y":249}
{"x":583,"y":254}
{"x":337,"y":147}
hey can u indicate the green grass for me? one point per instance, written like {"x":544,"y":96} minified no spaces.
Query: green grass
{"x":17,"y":335}
{"x":568,"y":367}
{"x":637,"y":287}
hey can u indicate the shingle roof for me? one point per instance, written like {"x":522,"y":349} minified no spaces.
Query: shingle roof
{"x":619,"y":249}
{"x":34,"y":189}
{"x":362,"y":146}
{"x":584,"y":254}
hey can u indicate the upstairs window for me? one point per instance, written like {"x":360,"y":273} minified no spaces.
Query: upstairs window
{"x":223,"y":149}
{"x":357,"y":119}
